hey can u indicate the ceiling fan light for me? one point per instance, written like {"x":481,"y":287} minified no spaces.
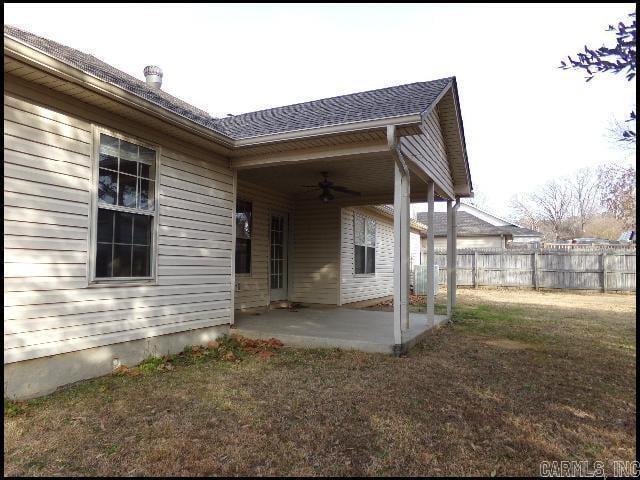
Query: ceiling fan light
{"x":326,"y":196}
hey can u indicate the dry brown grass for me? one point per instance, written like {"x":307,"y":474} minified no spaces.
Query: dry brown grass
{"x":518,"y":378}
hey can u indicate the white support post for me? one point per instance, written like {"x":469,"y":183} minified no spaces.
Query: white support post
{"x":397,"y":277}
{"x":430,"y":257}
{"x":401,"y":253}
{"x":450,"y":257}
{"x":233,"y":248}
{"x":454,"y":243}
{"x":405,"y":252}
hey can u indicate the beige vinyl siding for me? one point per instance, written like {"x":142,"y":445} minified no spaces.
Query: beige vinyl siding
{"x":314,"y":254}
{"x":253,"y":288}
{"x":429,"y":151}
{"x":355,"y":288}
{"x":49,"y":306}
{"x":525,"y":239}
{"x":466,"y":242}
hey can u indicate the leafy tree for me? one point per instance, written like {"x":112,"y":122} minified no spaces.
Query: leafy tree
{"x":616,"y":59}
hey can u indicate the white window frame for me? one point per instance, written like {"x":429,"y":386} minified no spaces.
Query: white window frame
{"x":364,"y":218}
{"x":152,"y":279}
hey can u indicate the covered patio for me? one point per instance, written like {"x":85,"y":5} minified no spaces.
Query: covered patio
{"x":417,"y":155}
{"x":340,"y":327}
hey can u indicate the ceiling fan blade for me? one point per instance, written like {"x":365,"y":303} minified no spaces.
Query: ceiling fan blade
{"x":338,"y":188}
{"x":307,"y":194}
{"x":310,"y":186}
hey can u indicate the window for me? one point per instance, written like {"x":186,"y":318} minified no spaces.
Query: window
{"x":364,"y":245}
{"x":243,"y":237}
{"x":125,"y":209}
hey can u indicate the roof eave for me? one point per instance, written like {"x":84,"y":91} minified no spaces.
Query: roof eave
{"x":454,"y":89}
{"x":13,"y":47}
{"x":25,"y":53}
{"x":407,"y":125}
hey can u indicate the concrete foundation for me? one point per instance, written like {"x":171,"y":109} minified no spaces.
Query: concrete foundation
{"x":40,"y":376}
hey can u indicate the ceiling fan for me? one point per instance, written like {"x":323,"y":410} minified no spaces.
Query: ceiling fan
{"x":327,"y":185}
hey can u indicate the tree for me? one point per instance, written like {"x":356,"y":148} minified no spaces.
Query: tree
{"x":616,"y":59}
{"x":618,"y":192}
{"x":554,"y":202}
{"x":616,"y":132}
{"x":525,"y":212}
{"x":585,"y":193}
{"x":547,"y":209}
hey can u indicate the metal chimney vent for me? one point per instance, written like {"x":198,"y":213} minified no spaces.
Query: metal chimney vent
{"x":153,"y":76}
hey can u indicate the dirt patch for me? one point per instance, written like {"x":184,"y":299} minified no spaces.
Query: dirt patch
{"x":453,"y":406}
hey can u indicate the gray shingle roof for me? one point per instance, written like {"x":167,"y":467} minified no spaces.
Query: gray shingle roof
{"x":471,"y":225}
{"x":388,"y":209}
{"x":413,"y":98}
{"x":99,"y":69}
{"x":389,"y":102}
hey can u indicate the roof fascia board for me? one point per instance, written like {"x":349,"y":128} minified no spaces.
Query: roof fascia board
{"x":463,"y":142}
{"x":452,"y":85}
{"x":425,"y":113}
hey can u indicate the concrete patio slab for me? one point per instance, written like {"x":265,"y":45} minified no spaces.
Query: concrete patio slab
{"x":369,"y":331}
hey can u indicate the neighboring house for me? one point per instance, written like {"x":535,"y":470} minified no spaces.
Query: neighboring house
{"x":477,"y":228}
{"x":136,"y":223}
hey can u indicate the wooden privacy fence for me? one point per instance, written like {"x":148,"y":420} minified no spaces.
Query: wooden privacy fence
{"x":573,"y":270}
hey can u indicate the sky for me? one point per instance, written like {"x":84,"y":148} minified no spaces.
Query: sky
{"x":526,"y":121}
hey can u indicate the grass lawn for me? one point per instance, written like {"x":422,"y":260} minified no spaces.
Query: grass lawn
{"x":518,"y":378}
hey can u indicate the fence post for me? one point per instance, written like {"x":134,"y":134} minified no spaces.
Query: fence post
{"x":536,"y":283}
{"x":604,"y":272}
{"x":475,"y":269}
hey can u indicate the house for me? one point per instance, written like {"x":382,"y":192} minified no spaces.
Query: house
{"x":136,"y":224}
{"x":628,"y":236}
{"x":477,"y":228}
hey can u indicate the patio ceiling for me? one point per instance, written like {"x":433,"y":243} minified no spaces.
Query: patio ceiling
{"x":371,"y":174}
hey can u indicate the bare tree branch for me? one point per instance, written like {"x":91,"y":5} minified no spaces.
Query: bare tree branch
{"x":618,"y":192}
{"x":585,"y":192}
{"x":616,"y":59}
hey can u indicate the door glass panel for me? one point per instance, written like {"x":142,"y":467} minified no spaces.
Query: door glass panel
{"x":277,"y":263}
